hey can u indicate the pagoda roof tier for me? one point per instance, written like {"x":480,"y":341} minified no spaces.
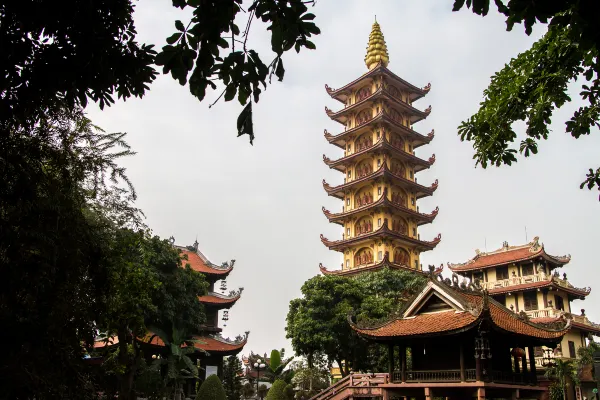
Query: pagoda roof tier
{"x":384,"y":232}
{"x":382,"y":145}
{"x":383,"y":202}
{"x":198,"y":262}
{"x":580,"y":322}
{"x":415,"y":114}
{"x":384,"y":118}
{"x":464,"y":310}
{"x":212,"y":344}
{"x":385,"y":263}
{"x":382,"y":172}
{"x":523,"y":283}
{"x":220,"y":301}
{"x":341,"y":94}
{"x":509,"y":255}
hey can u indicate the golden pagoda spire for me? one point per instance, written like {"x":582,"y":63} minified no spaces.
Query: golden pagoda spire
{"x":377,"y":50}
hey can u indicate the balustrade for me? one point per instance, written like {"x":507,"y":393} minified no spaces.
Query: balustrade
{"x":449,"y":375}
{"x":507,"y":377}
{"x":515,"y":280}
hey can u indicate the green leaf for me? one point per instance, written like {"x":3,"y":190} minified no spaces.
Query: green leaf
{"x":310,"y":45}
{"x":230,"y":91}
{"x":179,"y":26}
{"x":458,"y":4}
{"x":280,"y":71}
{"x":244,"y":122}
{"x":173,"y":38}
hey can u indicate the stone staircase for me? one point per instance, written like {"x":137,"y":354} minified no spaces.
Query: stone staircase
{"x":354,"y":386}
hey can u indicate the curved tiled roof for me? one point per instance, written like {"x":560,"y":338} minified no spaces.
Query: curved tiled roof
{"x":211,"y":344}
{"x":213,"y":298}
{"x":385,"y":263}
{"x":201,"y":264}
{"x":479,"y":306}
{"x":508,"y":255}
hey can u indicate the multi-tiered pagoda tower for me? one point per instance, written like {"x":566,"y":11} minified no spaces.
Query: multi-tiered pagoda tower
{"x":380,"y":215}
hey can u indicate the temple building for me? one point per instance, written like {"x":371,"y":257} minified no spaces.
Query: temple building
{"x":526,"y":280}
{"x":380,"y":216}
{"x":452,"y":341}
{"x":212,"y":346}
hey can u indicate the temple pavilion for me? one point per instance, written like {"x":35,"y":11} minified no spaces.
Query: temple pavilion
{"x":462,"y":344}
{"x":212,"y":346}
{"x":380,"y":216}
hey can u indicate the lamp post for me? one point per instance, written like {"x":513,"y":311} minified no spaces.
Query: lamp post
{"x":258,"y":365}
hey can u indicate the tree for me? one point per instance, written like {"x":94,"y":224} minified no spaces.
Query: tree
{"x":58,"y":208}
{"x":211,"y":389}
{"x":232,"y":380}
{"x":564,"y":372}
{"x":176,"y":365}
{"x":148,"y":287}
{"x":42,"y":39}
{"x":262,"y":390}
{"x":276,"y":366}
{"x":277,"y":391}
{"x":532,"y":85}
{"x":248,"y":390}
{"x":317,"y":323}
{"x":310,"y":380}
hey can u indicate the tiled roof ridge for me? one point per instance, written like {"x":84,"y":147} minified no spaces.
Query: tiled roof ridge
{"x":237,"y":341}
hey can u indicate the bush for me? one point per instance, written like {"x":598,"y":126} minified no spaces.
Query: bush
{"x":277,"y":391}
{"x":211,"y":389}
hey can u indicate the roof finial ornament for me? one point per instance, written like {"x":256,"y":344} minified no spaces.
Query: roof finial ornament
{"x":196,"y":244}
{"x":377,"y":49}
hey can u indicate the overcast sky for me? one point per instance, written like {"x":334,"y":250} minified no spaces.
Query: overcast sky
{"x":261,"y":204}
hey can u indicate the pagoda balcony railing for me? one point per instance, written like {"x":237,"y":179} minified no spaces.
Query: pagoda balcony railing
{"x":508,"y":377}
{"x":550,"y":312}
{"x":540,"y":277}
{"x":448,"y":375}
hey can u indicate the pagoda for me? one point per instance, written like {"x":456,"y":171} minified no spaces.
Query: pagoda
{"x":380,"y":216}
{"x":526,"y":280}
{"x":212,"y":346}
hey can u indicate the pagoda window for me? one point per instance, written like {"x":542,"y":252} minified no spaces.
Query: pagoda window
{"x":530,"y":300}
{"x":349,"y":147}
{"x":378,"y":134}
{"x":348,"y":201}
{"x":412,"y":201}
{"x":363,"y":93}
{"x":399,"y":226}
{"x":380,"y":255}
{"x":363,"y":226}
{"x":410,"y":148}
{"x":401,"y":257}
{"x":501,"y":273}
{"x":527,"y":269}
{"x":364,"y":169}
{"x":379,"y":191}
{"x":416,"y":264}
{"x":347,"y":232}
{"x":572,"y":352}
{"x":560,"y":304}
{"x":347,"y":263}
{"x":363,"y":116}
{"x":378,"y":162}
{"x":363,"y":257}
{"x":414,"y":231}
{"x":349,"y":174}
{"x":379,"y":222}
{"x":411,"y":175}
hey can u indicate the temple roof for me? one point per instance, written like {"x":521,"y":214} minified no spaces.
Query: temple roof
{"x":381,"y":144}
{"x":381,"y":93}
{"x":383,"y":231}
{"x":376,"y":50}
{"x":198,"y":262}
{"x":508,"y":255}
{"x":210,"y":343}
{"x":385,"y":263}
{"x":220,"y":300}
{"x":465,"y":310}
{"x":383,"y":118}
{"x":415,"y":92}
{"x":580,"y":322}
{"x":384,"y":172}
{"x":383,"y":201}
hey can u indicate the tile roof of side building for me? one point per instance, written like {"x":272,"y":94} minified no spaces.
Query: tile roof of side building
{"x":508,"y":255}
{"x":469,"y":308}
{"x":198,"y":262}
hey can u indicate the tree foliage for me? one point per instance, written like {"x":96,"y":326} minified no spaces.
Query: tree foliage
{"x":211,"y":389}
{"x":89,"y":50}
{"x":563,"y":372}
{"x":232,"y":380}
{"x":277,"y":391}
{"x":317,"y":323}
{"x":534,"y":84}
{"x":58,"y":207}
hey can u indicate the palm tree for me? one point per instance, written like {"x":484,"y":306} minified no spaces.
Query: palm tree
{"x":176,"y":366}
{"x":563,"y":371}
{"x":276,"y":366}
